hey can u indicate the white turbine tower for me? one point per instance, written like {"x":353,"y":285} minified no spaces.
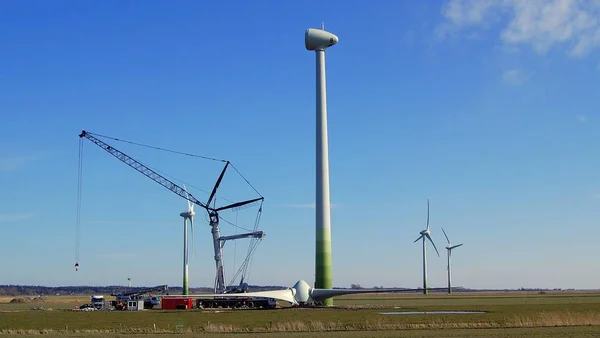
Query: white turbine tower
{"x":188,"y":214}
{"x":129,"y":281}
{"x":449,"y":248}
{"x":318,"y":40}
{"x":425,"y":235}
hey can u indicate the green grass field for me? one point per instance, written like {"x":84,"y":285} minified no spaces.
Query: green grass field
{"x":508,"y":314}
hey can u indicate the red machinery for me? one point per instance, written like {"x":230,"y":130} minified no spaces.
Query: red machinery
{"x":176,"y":303}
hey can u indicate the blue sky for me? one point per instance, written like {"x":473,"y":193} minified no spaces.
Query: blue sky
{"x":487,"y":108}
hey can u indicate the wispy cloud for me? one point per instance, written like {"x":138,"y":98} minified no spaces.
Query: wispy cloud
{"x":15,"y":163}
{"x":596,"y":195}
{"x":581,"y":118}
{"x":539,"y":24}
{"x":15,"y":217}
{"x":515,"y":77}
{"x":307,"y":205}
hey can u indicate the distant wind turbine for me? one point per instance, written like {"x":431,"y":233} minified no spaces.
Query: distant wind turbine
{"x":426,"y":234}
{"x":449,"y":248}
{"x":188,"y":214}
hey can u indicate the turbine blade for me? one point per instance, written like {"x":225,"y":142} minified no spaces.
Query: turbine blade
{"x":456,"y":246}
{"x":427,"y":214}
{"x":192,"y":228}
{"x":187,"y":196}
{"x":418,"y":239}
{"x":446,"y":236}
{"x":431,"y":240}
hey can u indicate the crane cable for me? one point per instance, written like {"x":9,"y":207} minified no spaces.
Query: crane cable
{"x":246,"y":266}
{"x":181,"y":153}
{"x":235,"y":244}
{"x":250,"y":255}
{"x":78,"y":219}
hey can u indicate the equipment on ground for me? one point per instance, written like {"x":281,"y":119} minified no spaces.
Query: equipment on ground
{"x":98,"y":302}
{"x":301,"y":294}
{"x":141,"y":294}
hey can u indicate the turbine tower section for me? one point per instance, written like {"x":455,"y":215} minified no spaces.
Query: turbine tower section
{"x":318,"y":40}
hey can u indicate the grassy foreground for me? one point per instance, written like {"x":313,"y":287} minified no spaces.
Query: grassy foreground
{"x":546,"y":332}
{"x":514,"y":315}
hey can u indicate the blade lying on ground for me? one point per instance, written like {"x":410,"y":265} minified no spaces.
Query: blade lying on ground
{"x":320,"y":294}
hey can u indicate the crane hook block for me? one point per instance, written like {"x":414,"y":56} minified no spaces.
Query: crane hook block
{"x":76,"y":266}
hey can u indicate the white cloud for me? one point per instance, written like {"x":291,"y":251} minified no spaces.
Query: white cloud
{"x":581,"y":118}
{"x":542,"y":24}
{"x":515,"y":77}
{"x":15,"y":217}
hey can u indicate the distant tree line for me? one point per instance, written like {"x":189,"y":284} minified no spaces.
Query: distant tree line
{"x":38,"y":290}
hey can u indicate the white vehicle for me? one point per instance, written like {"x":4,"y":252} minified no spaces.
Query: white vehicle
{"x":98,"y":302}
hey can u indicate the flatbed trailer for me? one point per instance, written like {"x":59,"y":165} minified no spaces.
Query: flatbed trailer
{"x":236,"y":303}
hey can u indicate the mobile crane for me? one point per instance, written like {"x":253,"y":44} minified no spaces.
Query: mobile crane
{"x":213,"y":212}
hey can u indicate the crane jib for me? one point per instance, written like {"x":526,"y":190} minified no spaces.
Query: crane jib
{"x":156,"y":177}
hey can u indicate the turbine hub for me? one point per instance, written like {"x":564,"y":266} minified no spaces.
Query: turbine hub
{"x":302,"y":293}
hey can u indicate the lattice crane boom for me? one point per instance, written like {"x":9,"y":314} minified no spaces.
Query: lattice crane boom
{"x":165,"y":182}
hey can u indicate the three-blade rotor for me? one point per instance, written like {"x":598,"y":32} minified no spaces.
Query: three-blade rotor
{"x":426,"y":234}
{"x":450,"y":247}
{"x":190,"y":215}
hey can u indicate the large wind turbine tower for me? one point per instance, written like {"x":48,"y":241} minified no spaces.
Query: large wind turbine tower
{"x":188,"y":214}
{"x":449,"y":249}
{"x":426,"y":235}
{"x":318,"y":40}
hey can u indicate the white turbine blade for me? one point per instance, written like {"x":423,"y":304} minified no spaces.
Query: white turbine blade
{"x":192,"y":228}
{"x":431,"y":240}
{"x":456,"y":246}
{"x":427,"y":214}
{"x":321,"y":294}
{"x":187,"y":196}
{"x":284,"y":295}
{"x":446,"y":236}
{"x":418,"y":239}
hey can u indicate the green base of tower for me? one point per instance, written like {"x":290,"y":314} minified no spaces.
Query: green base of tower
{"x":328,"y":302}
{"x":323,"y":275}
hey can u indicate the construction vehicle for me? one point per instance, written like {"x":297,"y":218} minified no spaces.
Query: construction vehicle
{"x":236,"y":303}
{"x":97,"y":302}
{"x":145,"y":294}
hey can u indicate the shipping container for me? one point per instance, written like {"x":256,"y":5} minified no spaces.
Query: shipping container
{"x":176,"y":303}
